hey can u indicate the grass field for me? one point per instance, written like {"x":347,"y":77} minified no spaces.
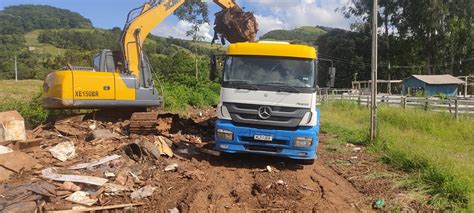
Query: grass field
{"x":32,"y":41}
{"x":436,"y":149}
{"x":23,"y":90}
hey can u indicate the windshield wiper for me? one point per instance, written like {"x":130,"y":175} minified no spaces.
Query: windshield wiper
{"x":244,"y":85}
{"x":288,"y":88}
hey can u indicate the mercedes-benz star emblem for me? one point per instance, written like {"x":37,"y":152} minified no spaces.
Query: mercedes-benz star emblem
{"x":264,"y":112}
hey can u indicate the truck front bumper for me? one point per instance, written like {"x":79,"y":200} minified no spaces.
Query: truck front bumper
{"x":282,"y":144}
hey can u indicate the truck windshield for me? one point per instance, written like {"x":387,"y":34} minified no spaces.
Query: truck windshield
{"x":269,"y":71}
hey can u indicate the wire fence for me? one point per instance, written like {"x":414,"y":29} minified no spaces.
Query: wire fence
{"x":454,"y":106}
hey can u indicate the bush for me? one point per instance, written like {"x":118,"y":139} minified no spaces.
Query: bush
{"x":32,"y":111}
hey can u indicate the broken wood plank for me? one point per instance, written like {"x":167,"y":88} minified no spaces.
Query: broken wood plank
{"x":100,"y":208}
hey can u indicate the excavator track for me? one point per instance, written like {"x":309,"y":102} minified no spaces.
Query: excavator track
{"x":144,"y":123}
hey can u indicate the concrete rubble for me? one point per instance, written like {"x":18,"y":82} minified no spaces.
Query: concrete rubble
{"x":79,"y":164}
{"x":12,"y":126}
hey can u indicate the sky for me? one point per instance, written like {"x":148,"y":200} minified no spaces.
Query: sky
{"x":270,"y":14}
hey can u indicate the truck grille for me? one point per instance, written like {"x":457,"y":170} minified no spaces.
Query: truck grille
{"x":274,"y":141}
{"x":280,"y":116}
{"x":263,"y":148}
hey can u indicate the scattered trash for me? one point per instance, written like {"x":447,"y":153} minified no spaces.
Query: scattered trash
{"x":70,"y":126}
{"x":135,"y":177}
{"x":378,"y":203}
{"x":350,"y":145}
{"x":64,"y":151}
{"x":173,"y":210}
{"x":43,"y":188}
{"x":270,"y":169}
{"x":70,"y":186}
{"x":115,"y":189}
{"x":134,"y":151}
{"x":163,"y":146}
{"x":20,"y":145}
{"x":104,"y":134}
{"x":4,"y":150}
{"x":94,"y":209}
{"x":50,"y":173}
{"x":357,"y":149}
{"x":12,"y":126}
{"x":93,"y":126}
{"x":109,"y":174}
{"x":281,"y":182}
{"x":82,"y":198}
{"x":17,"y":161}
{"x":354,"y":157}
{"x":172,"y":167}
{"x":95,"y":163}
{"x":29,"y":206}
{"x":151,"y":149}
{"x":146,"y":191}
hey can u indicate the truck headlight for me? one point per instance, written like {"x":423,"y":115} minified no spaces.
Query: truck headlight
{"x":303,"y":142}
{"x":224,"y":134}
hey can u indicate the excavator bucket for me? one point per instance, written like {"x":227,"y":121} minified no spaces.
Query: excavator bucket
{"x":236,"y":25}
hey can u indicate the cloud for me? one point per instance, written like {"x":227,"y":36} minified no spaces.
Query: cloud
{"x":268,"y":23}
{"x":290,"y":14}
{"x":179,"y":29}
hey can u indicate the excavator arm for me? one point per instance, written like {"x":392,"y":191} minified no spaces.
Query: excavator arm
{"x":140,"y":22}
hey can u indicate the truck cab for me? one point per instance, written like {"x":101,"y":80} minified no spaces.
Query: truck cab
{"x":268,"y":101}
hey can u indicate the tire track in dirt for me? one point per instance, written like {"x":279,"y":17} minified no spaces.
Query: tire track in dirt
{"x":240,"y":184}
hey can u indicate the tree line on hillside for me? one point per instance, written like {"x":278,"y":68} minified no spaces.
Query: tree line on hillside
{"x":25,"y":18}
{"x":415,"y":37}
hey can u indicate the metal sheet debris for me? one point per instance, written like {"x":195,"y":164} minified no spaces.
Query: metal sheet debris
{"x":95,"y":163}
{"x":50,"y":173}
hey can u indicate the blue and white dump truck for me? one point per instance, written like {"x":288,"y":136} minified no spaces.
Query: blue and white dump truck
{"x":268,"y":101}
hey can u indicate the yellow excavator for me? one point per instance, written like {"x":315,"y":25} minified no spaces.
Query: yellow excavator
{"x":121,"y":79}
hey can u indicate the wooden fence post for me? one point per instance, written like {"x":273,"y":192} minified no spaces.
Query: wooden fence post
{"x":456,"y":109}
{"x":403,"y":102}
{"x":426,"y":104}
{"x":358,"y":100}
{"x":368,"y":101}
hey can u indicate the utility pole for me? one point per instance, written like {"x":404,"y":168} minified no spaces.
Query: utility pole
{"x":373,"y":109}
{"x":16,"y":70}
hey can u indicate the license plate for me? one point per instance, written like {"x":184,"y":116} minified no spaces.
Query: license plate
{"x":263,"y":137}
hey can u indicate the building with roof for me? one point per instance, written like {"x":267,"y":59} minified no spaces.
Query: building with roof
{"x":431,"y":85}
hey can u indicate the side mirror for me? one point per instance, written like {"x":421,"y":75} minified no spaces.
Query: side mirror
{"x":213,"y":64}
{"x":332,"y":77}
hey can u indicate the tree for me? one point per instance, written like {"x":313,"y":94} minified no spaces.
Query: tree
{"x":197,"y":13}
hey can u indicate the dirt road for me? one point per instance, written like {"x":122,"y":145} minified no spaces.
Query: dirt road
{"x":242,"y":183}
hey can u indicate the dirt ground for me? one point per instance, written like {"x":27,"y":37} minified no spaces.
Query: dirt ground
{"x":204,"y":182}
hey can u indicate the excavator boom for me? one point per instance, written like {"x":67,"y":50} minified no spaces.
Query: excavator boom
{"x":138,"y":27}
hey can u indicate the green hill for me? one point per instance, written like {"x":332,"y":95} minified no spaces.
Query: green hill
{"x":25,"y":18}
{"x":306,"y":34}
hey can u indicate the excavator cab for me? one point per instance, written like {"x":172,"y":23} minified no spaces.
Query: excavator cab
{"x":104,"y":85}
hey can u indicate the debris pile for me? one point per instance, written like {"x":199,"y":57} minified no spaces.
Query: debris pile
{"x":235,"y":25}
{"x":82,"y":164}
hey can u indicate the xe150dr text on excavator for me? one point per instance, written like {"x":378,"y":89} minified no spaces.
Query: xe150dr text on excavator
{"x":124,"y":79}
